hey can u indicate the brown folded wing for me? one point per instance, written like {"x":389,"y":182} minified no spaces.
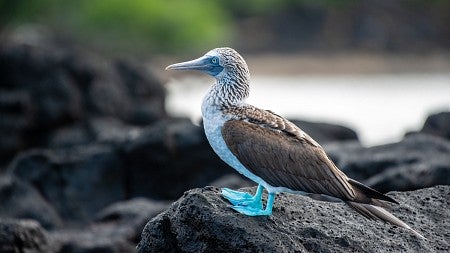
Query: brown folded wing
{"x":284,"y":160}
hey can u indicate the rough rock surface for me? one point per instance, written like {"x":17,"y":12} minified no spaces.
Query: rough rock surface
{"x":201,"y":221}
{"x":416,"y":162}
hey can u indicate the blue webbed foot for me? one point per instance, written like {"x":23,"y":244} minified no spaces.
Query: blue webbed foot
{"x":235,"y":196}
{"x":252,"y":211}
{"x":257,"y":211}
{"x":238,"y":198}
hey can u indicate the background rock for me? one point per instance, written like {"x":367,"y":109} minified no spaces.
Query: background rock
{"x":169,"y":158}
{"x":78,"y":182}
{"x":416,"y":162}
{"x":438,"y":124}
{"x":22,"y":236}
{"x":117,"y":228}
{"x":46,"y":85}
{"x":134,"y":212}
{"x":233,"y":181}
{"x":201,"y":221}
{"x":325,"y":132}
{"x":108,"y":238}
{"x":20,"y":200}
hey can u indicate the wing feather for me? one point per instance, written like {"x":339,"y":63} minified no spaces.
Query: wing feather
{"x":285,"y":160}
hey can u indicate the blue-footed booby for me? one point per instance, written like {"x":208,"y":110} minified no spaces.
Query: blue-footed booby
{"x":269,"y":149}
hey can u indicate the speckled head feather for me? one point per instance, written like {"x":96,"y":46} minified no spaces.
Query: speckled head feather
{"x":233,"y":82}
{"x":233,"y":63}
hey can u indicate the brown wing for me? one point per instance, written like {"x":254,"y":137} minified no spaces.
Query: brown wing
{"x":285,"y":160}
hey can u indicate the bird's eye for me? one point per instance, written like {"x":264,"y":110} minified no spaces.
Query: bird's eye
{"x":214,"y":60}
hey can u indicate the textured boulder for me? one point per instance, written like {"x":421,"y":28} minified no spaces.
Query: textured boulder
{"x":416,"y":162}
{"x":22,"y":236}
{"x":201,"y":221}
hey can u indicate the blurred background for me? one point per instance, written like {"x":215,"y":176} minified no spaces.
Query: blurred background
{"x":255,"y":26}
{"x":378,"y":67}
{"x":90,"y":121}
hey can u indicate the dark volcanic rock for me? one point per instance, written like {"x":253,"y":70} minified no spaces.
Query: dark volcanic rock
{"x":22,"y":236}
{"x":20,"y":200}
{"x":78,"y":182}
{"x":45,"y":85}
{"x":325,"y":132}
{"x":438,"y":124}
{"x":416,"y":162}
{"x":109,"y":238}
{"x":415,"y":176}
{"x":135,"y":212}
{"x":106,"y":130}
{"x":117,"y":228}
{"x":201,"y":221}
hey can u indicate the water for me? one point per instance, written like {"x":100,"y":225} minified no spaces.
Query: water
{"x":380,"y":107}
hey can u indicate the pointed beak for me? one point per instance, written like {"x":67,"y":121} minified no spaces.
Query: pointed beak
{"x":201,"y":64}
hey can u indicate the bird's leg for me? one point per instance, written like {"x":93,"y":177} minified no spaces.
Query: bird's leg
{"x":238,"y":198}
{"x":257,"y":211}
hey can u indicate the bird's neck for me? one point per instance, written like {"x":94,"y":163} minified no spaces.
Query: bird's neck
{"x":229,"y":91}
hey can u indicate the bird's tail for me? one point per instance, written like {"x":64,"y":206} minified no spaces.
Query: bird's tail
{"x":379,"y":213}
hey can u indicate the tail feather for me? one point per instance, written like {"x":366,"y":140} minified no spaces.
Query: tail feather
{"x":369,"y":193}
{"x":378,"y":213}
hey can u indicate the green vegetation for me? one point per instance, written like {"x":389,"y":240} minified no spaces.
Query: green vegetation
{"x":156,"y":25}
{"x":160,"y":24}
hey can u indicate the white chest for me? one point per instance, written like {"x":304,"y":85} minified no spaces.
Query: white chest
{"x":213,"y":120}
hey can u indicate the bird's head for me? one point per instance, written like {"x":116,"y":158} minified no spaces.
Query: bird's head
{"x":220,"y":63}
